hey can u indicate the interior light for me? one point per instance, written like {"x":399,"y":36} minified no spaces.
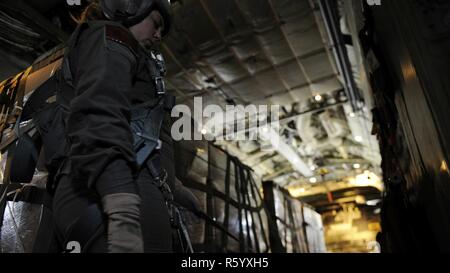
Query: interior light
{"x":296,"y":192}
{"x":367,"y":179}
{"x":359,"y":199}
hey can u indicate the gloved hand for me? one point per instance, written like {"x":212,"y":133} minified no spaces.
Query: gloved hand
{"x":124,"y":226}
{"x":185,"y":197}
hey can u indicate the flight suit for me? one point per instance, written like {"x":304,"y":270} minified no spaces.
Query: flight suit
{"x":110,"y":75}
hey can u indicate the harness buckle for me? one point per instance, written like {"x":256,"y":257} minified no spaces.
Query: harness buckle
{"x":159,"y":145}
{"x":160,"y":85}
{"x":162,"y":178}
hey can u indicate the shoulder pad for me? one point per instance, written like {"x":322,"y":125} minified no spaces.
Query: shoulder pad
{"x":120,"y":35}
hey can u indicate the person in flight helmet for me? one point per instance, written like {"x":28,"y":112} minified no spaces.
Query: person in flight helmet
{"x":114,"y":183}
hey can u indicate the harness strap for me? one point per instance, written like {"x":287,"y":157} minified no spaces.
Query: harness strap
{"x":158,"y":70}
{"x":183,"y":229}
{"x":160,"y":176}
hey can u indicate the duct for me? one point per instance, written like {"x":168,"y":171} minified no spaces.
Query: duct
{"x":336,"y":130}
{"x":307,"y":133}
{"x":310,"y":144}
{"x":248,"y":146}
{"x":360,"y":126}
{"x":286,"y":151}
